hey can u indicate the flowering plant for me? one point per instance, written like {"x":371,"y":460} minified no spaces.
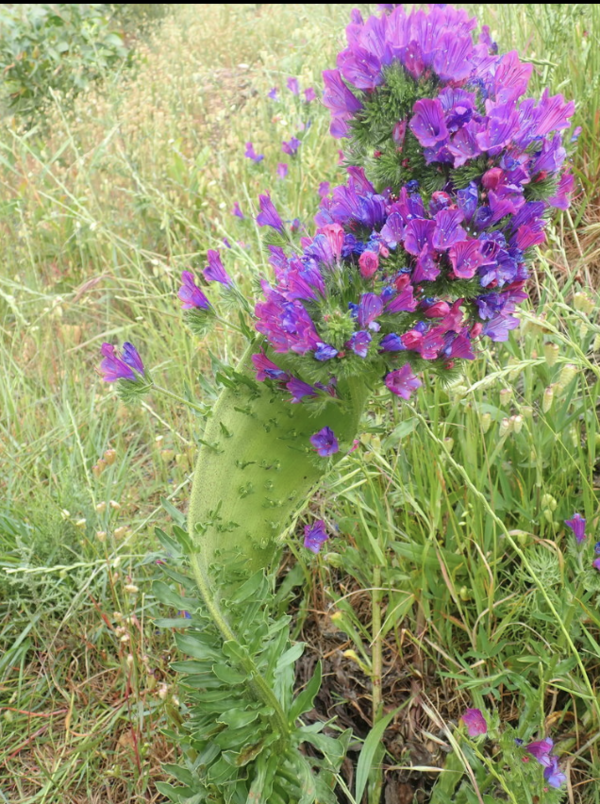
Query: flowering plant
{"x":422,"y":253}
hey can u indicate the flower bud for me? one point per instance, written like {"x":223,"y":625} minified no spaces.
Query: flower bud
{"x":449,"y":442}
{"x":101,"y":507}
{"x":548,"y":501}
{"x":551,"y":351}
{"x":167,"y":455}
{"x":596,"y":344}
{"x":110,"y":456}
{"x":548,"y":515}
{"x":120,"y":532}
{"x":80,"y":523}
{"x":101,"y":535}
{"x":505,"y":427}
{"x":131,"y":588}
{"x":526,"y":411}
{"x":548,"y":398}
{"x":464,"y":593}
{"x":505,"y":396}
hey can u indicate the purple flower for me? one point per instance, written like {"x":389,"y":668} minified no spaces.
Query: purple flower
{"x":369,"y":307}
{"x":272,"y":94}
{"x":402,"y":382}
{"x":309,"y":94}
{"x":391,"y":343}
{"x":325,"y":442}
{"x":404,"y":302}
{"x":427,"y":123}
{"x":237,"y":211}
{"x":577,"y":525}
{"x":325,"y":352}
{"x":268,"y":215}
{"x":553,"y":775}
{"x":267,"y":370}
{"x":299,"y":389}
{"x":448,"y":230}
{"x":250,"y":153}
{"x":540,"y":750}
{"x":498,"y":327}
{"x":215,"y":272}
{"x":324,"y":189}
{"x":340,"y":101}
{"x":359,"y":343}
{"x":596,"y":564}
{"x":282,"y":170}
{"x":190,"y":294}
{"x":475,"y":722}
{"x":127,"y":367}
{"x":466,"y":257}
{"x":315,"y":536}
{"x":293,"y":86}
{"x":291,"y":147}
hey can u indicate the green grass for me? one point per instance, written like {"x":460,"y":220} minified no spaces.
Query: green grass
{"x":482,"y":597}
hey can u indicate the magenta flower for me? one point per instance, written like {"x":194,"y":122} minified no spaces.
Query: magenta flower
{"x":324,"y":189}
{"x":315,"y":536}
{"x":250,"y":153}
{"x":127,"y":367}
{"x":368,"y":263}
{"x":309,"y":94}
{"x":577,"y":525}
{"x":402,"y":382}
{"x":540,"y":750}
{"x":553,"y":775}
{"x":282,"y":170}
{"x":268,"y":215}
{"x":190,"y":294}
{"x":475,"y":722}
{"x":325,"y":442}
{"x":215,"y":272}
{"x":293,"y":86}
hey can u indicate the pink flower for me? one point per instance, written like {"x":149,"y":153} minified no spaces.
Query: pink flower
{"x":475,"y":722}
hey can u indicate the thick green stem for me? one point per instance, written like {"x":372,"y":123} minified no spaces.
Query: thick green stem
{"x":260,"y":686}
{"x":255,"y":468}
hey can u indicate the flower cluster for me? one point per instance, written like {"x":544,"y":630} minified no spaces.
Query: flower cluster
{"x":541,"y":750}
{"x":426,"y":246}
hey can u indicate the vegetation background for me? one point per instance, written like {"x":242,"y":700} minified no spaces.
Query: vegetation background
{"x":452,"y":562}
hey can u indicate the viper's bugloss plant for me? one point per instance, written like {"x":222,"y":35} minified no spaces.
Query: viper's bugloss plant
{"x":422,"y":254}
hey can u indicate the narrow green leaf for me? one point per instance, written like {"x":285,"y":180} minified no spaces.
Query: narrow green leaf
{"x":305,"y":700}
{"x":367,"y":753}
